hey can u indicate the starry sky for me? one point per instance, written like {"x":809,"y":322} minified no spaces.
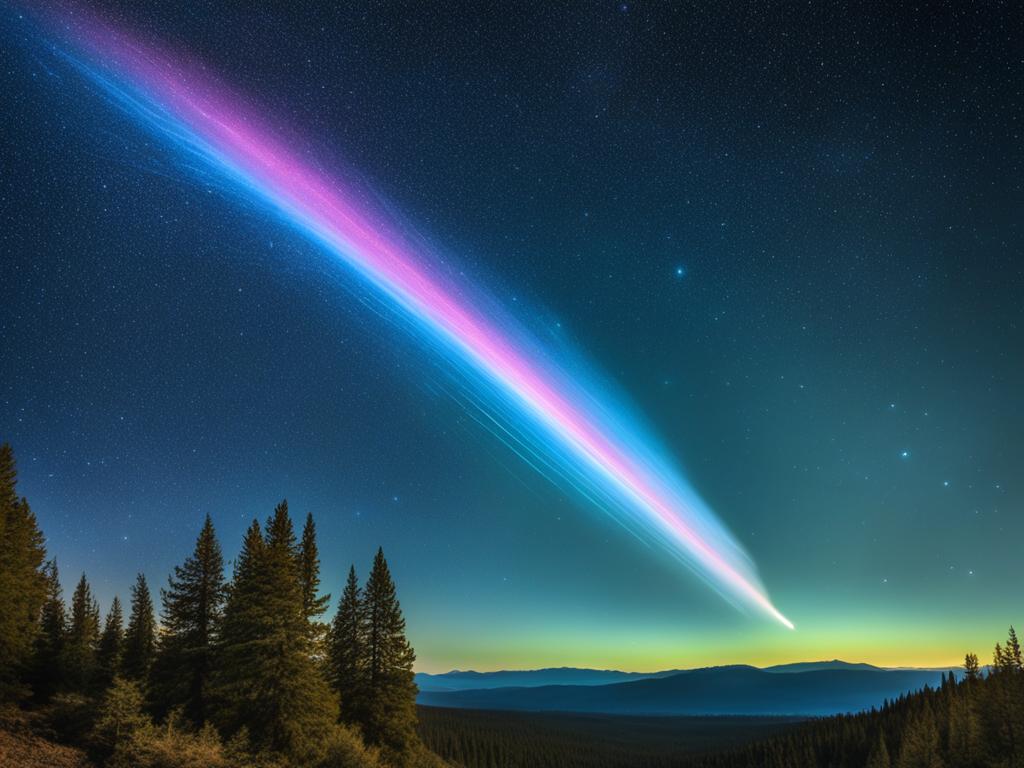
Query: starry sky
{"x":790,"y":232}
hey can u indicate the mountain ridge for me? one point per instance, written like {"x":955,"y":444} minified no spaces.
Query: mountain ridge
{"x":469,"y":679}
{"x":732,"y":690}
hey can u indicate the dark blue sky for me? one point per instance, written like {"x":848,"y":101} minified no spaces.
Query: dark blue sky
{"x":790,"y":233}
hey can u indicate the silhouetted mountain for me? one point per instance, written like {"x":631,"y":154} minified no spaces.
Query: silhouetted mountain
{"x":814,"y":666}
{"x":458,"y":680}
{"x":735,"y":690}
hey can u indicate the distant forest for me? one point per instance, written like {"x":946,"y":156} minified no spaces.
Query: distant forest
{"x":246,"y":672}
{"x":510,"y":739}
{"x":977,"y":722}
{"x":236,"y":673}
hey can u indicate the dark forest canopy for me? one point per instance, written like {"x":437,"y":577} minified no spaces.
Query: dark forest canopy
{"x":974,"y":723}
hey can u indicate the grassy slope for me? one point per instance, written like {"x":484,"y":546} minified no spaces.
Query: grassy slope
{"x":24,"y":750}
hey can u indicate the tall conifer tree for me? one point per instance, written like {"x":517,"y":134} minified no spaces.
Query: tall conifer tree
{"x":971,"y":669}
{"x":111,"y":646}
{"x":266,"y":680}
{"x":48,"y":655}
{"x":347,"y":652}
{"x":313,"y":603}
{"x":140,"y":637}
{"x":192,"y":611}
{"x":1012,"y":654}
{"x":390,"y":721}
{"x":82,"y":639}
{"x":22,"y":580}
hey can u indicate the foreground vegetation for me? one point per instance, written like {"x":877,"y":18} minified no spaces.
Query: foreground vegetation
{"x":20,"y":747}
{"x":236,"y":673}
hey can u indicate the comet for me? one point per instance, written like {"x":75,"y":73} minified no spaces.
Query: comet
{"x":546,"y":403}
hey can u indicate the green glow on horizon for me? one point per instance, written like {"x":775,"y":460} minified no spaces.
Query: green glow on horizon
{"x":913,"y":645}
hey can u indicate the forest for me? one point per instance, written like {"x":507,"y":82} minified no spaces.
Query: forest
{"x":239,"y":672}
{"x":503,"y":739}
{"x":248,"y":671}
{"x":974,"y":722}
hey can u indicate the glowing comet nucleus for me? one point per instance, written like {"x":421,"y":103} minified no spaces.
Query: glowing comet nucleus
{"x":551,"y":409}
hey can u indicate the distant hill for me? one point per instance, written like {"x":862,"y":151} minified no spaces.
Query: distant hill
{"x":458,"y":680}
{"x":738,"y":690}
{"x":814,"y":666}
{"x":465,"y":680}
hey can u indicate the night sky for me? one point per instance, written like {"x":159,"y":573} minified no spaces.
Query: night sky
{"x":790,"y":232}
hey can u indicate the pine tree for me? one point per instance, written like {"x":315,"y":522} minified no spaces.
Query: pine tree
{"x":963,"y":733}
{"x":1005,"y":701}
{"x":82,"y":638}
{"x":390,"y":720}
{"x":920,"y":745}
{"x":879,"y":757}
{"x":999,"y":661}
{"x":22,"y":580}
{"x":48,"y":655}
{"x":1012,"y":653}
{"x":120,"y":716}
{"x":192,"y":610}
{"x":111,"y":646}
{"x":347,"y":657}
{"x":140,"y":637}
{"x":245,"y":620}
{"x":971,"y":668}
{"x":313,"y":603}
{"x":266,"y":680}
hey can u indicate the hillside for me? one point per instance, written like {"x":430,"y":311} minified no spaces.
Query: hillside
{"x":478,"y":739}
{"x":458,"y":680}
{"x":27,"y":751}
{"x":714,"y":691}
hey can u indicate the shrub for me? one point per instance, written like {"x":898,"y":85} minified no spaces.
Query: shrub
{"x":346,"y":750}
{"x":167,"y":746}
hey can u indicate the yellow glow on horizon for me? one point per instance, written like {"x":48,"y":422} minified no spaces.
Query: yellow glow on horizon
{"x":869,"y":642}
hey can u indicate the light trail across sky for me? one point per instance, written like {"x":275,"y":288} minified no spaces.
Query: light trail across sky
{"x":549,"y":408}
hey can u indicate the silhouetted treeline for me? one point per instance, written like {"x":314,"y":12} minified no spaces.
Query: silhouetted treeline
{"x":977,"y":722}
{"x":505,"y":739}
{"x":235,"y":673}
